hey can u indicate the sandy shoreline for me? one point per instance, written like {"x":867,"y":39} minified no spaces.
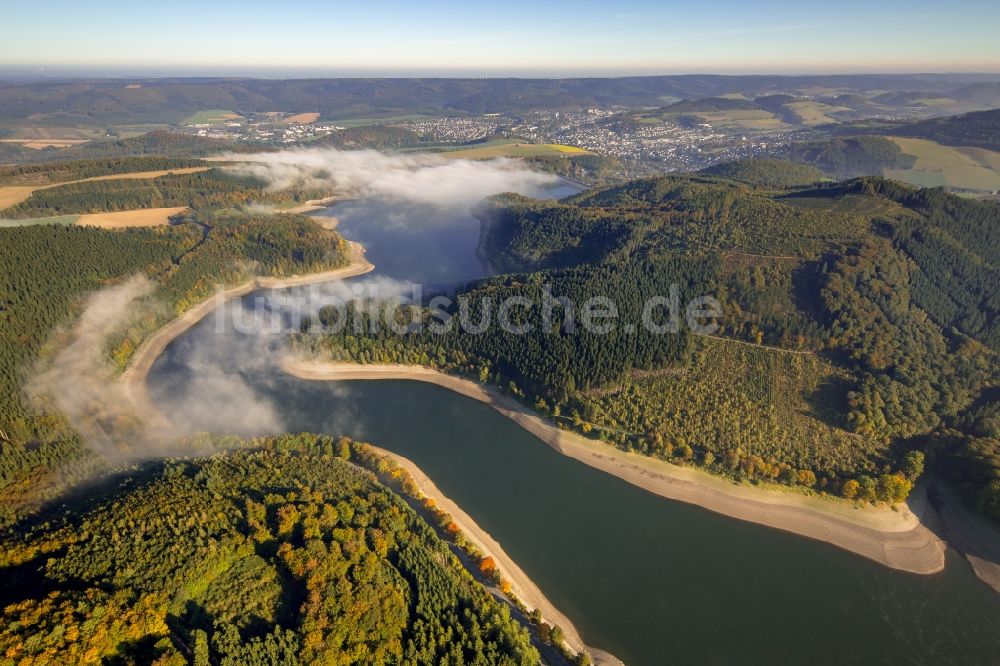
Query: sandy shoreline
{"x":521,"y":585}
{"x":895,"y":538}
{"x":313,"y":204}
{"x":133,"y":381}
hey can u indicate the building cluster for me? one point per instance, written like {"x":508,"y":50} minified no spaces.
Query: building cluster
{"x":641,"y":148}
{"x":459,"y":130}
{"x":263,"y":129}
{"x":644,"y":148}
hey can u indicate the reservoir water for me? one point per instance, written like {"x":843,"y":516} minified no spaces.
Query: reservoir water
{"x":650,"y":580}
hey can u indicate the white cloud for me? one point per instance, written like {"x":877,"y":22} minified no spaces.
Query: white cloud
{"x":424,"y":179}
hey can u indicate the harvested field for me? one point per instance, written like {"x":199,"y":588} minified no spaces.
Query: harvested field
{"x":38,"y":144}
{"x":302,"y":118}
{"x":148,"y":217}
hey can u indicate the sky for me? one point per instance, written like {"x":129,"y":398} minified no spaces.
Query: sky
{"x":512,"y":37}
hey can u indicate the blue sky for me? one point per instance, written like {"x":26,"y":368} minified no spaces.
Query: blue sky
{"x":507,"y":37}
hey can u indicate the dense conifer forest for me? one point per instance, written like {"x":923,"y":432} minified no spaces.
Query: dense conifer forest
{"x":205,"y":189}
{"x":284,"y":550}
{"x":770,"y":173}
{"x":863,"y":315}
{"x":58,"y":172}
{"x":851,"y":156}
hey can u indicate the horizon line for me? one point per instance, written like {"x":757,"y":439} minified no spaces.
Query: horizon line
{"x":75,"y":71}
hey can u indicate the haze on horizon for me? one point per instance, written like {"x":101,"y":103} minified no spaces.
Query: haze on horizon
{"x":390,"y":37}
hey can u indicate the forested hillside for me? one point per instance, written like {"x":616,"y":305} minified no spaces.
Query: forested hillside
{"x":197,"y":190}
{"x":377,"y":137}
{"x":859,"y":328}
{"x":593,"y":169}
{"x":48,"y":269}
{"x":711,"y":104}
{"x":980,"y":128}
{"x":58,"y":172}
{"x":770,"y":173}
{"x":281,"y":551}
{"x":654,"y":216}
{"x":553,"y":361}
{"x":849,"y":157}
{"x":156,"y":143}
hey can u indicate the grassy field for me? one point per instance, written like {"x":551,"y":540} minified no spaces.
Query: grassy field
{"x":948,"y":166}
{"x":515,"y":150}
{"x":935,"y":101}
{"x":58,"y":219}
{"x":363,"y":122}
{"x":849,"y":204}
{"x":41,"y":132}
{"x":815,"y":113}
{"x":744,"y":119}
{"x":128,"y":131}
{"x":38,"y":144}
{"x":211,"y":117}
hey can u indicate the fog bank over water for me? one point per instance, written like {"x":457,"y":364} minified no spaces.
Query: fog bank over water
{"x":421,"y":178}
{"x":80,"y":383}
{"x":221,"y":380}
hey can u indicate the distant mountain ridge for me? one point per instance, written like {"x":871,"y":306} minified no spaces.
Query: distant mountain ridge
{"x":169,"y":100}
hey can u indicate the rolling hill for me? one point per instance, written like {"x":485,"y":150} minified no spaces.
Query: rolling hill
{"x":888,"y":292}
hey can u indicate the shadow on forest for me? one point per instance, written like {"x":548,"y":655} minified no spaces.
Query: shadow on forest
{"x":27,"y":579}
{"x":828,"y":401}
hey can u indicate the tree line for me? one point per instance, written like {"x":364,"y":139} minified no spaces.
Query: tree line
{"x":57,"y":172}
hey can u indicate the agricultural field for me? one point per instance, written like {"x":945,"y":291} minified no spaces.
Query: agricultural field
{"x":515,"y":150}
{"x":936,"y":101}
{"x":38,"y":144}
{"x":33,"y":132}
{"x":37,"y":138}
{"x":742,"y":119}
{"x":301,"y":118}
{"x":948,"y":166}
{"x":364,"y":122}
{"x":11,"y":195}
{"x":815,"y":113}
{"x":732,"y":395}
{"x":211,"y":117}
{"x":126,"y":219}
